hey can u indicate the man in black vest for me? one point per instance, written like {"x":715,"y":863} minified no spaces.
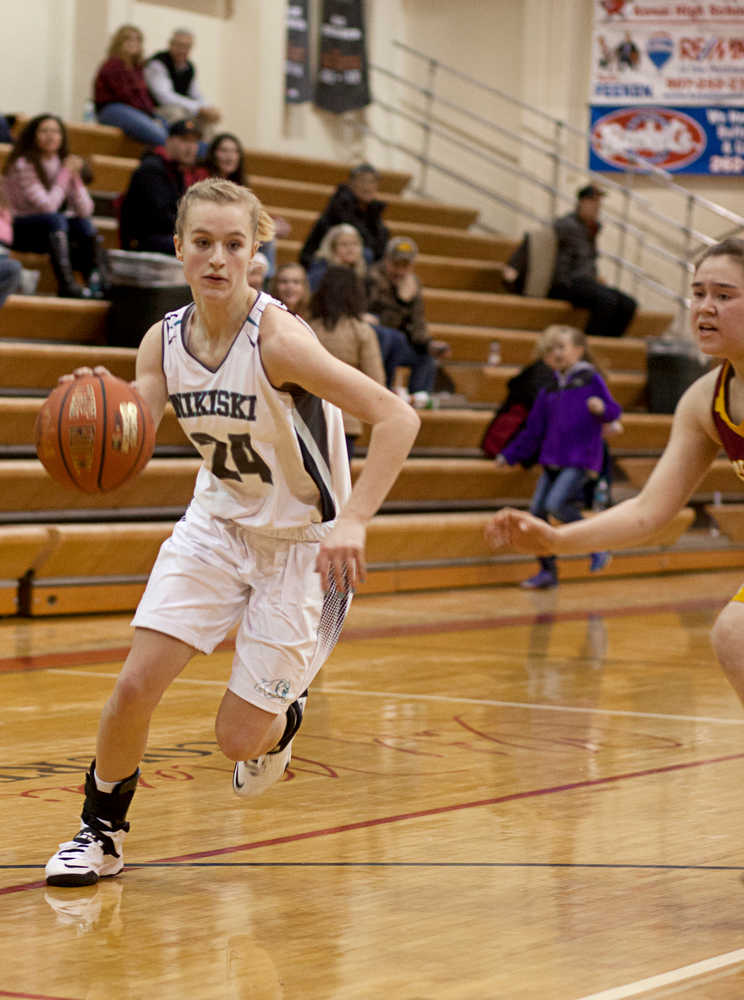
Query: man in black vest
{"x":171,"y":79}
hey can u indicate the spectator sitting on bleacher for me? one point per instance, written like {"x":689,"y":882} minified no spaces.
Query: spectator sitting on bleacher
{"x":290,"y":286}
{"x":575,"y":277}
{"x":51,"y":207}
{"x":120,"y":92}
{"x":225,"y":158}
{"x":171,"y":79}
{"x":342,"y":247}
{"x":258,"y":270}
{"x":394,"y":299}
{"x":10,"y":269}
{"x":355,"y":202}
{"x":5,"y":133}
{"x":147,"y":218}
{"x":336,"y":318}
{"x":521,"y":393}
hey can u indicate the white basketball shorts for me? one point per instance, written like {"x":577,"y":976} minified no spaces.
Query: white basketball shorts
{"x":211,"y":574}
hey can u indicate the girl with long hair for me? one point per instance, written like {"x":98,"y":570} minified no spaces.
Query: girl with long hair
{"x":336,"y":317}
{"x":52,"y":209}
{"x":120,"y":92}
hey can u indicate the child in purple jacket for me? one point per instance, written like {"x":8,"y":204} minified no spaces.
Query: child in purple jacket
{"x":566,"y":425}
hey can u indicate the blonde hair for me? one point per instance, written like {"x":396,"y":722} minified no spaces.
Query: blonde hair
{"x":117,"y":41}
{"x":304,"y":302}
{"x":222,"y":192}
{"x":327,"y":248}
{"x":551,"y":333}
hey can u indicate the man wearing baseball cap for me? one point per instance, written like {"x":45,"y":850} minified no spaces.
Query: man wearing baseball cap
{"x":396,"y":302}
{"x":575,"y":276}
{"x":148,"y":211}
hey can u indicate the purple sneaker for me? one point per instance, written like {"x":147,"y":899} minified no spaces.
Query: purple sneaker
{"x":598,"y":561}
{"x":540,"y":581}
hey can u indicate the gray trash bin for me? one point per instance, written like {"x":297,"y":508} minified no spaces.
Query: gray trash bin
{"x":672,"y":366}
{"x":144,"y":286}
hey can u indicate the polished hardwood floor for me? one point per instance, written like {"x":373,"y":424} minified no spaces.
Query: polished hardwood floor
{"x":495,"y":795}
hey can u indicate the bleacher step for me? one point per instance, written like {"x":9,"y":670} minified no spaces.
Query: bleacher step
{"x":102,"y":567}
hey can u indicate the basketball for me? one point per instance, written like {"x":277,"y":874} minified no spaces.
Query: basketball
{"x":94,"y":433}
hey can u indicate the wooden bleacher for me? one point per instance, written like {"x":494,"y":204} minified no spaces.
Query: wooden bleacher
{"x":76,"y":553}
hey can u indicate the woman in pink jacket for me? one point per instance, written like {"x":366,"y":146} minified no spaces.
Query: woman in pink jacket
{"x":51,"y":206}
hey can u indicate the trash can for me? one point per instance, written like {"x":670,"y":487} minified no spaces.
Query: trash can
{"x":144,"y":286}
{"x":672,"y":366}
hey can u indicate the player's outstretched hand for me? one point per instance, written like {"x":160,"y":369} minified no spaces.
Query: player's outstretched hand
{"x":341,"y":556}
{"x":520,"y":531}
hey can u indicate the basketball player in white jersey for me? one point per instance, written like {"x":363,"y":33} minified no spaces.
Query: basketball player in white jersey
{"x":273,"y":539}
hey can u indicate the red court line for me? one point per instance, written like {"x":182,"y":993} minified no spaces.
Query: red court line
{"x":31,"y":996}
{"x":45,"y":661}
{"x":420,"y":814}
{"x":439,"y":810}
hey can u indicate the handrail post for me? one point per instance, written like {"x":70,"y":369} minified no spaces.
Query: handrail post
{"x":623,"y":227}
{"x":556,"y":177}
{"x":684,"y":260}
{"x":426,"y":137}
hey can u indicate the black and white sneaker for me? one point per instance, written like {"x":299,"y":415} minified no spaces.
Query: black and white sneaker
{"x":91,"y":855}
{"x":252,"y":777}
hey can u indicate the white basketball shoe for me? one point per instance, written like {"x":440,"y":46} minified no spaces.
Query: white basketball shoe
{"x":90,"y":855}
{"x":252,"y":777}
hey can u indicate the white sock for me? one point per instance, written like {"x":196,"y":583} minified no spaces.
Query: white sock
{"x":104,"y":786}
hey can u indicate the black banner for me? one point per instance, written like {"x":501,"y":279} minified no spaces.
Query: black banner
{"x":297,"y":66}
{"x":343,"y":82}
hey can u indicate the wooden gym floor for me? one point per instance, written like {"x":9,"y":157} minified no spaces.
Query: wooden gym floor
{"x":496,"y":795}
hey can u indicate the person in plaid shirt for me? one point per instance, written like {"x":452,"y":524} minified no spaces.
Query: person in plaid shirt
{"x":120,"y":92}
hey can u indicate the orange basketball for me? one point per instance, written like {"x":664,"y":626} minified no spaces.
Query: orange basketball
{"x":94,"y":433}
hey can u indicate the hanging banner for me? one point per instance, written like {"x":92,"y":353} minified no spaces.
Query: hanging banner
{"x":343,"y":81}
{"x":297,"y":66}
{"x":667,"y":84}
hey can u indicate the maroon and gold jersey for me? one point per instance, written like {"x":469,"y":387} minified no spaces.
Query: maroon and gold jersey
{"x":731,"y":434}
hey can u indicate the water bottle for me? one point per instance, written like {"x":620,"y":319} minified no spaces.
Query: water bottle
{"x":95,"y":286}
{"x":715,"y":531}
{"x":601,"y":495}
{"x":494,"y":353}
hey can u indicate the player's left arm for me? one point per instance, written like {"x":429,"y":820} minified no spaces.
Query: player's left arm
{"x":292,"y":355}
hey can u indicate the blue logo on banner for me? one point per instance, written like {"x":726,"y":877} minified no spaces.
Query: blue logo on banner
{"x":660,"y":48}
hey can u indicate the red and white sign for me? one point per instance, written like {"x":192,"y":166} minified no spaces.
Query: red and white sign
{"x":664,"y":137}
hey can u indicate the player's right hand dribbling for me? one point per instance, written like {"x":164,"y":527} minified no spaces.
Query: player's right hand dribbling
{"x":521,"y":532}
{"x":82,"y":372}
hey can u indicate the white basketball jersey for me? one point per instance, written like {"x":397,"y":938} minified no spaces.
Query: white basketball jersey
{"x":272,"y":460}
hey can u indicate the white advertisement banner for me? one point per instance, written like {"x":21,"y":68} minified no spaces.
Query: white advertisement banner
{"x":667,"y":53}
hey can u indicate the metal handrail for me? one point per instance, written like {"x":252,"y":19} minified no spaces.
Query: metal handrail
{"x":657,"y":172}
{"x":522,"y":173}
{"x":552,"y":148}
{"x":637,"y":272}
{"x":607,"y":182}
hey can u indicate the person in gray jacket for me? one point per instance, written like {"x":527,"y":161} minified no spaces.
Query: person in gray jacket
{"x":575,"y":277}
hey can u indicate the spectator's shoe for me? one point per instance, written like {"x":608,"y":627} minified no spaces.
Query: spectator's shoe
{"x":543,"y":580}
{"x":599,"y":560}
{"x":91,"y":855}
{"x":252,"y":777}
